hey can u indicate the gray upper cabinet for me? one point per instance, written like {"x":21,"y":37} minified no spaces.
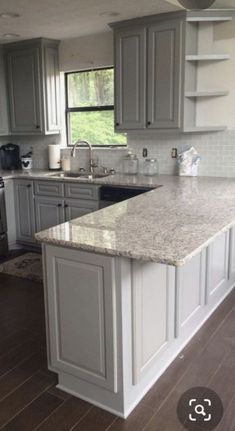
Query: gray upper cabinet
{"x":33,"y":86}
{"x":24,"y":90}
{"x":24,"y":205}
{"x":149,"y":59}
{"x":4,"y":124}
{"x":130,"y":101}
{"x":164,"y":74}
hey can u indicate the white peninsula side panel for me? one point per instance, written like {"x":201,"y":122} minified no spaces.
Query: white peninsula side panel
{"x":82,"y":316}
{"x":115,"y":324}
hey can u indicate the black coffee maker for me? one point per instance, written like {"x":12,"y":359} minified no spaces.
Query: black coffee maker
{"x":10,"y":157}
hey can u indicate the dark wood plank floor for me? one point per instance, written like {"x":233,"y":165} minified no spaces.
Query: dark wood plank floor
{"x":30,"y":401}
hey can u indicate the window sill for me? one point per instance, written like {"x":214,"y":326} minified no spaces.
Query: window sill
{"x":96,"y":147}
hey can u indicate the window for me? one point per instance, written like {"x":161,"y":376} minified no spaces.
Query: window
{"x":90,"y":108}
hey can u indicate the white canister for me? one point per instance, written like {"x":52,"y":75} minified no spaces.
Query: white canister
{"x":26,"y":162}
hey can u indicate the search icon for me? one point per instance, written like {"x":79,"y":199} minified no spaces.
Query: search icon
{"x":199,"y":409}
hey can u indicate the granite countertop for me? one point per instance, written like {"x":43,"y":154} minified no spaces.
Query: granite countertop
{"x":167,"y":225}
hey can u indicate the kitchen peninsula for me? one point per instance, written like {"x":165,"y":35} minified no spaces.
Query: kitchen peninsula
{"x":127,"y":286}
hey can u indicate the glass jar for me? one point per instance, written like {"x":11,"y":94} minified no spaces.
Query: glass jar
{"x":130,"y":164}
{"x":150,"y":167}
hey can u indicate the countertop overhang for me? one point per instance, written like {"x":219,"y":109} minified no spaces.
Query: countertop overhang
{"x":167,"y":225}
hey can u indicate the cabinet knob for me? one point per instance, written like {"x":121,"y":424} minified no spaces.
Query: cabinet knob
{"x":149,"y":122}
{"x":66,"y":206}
{"x":117,"y":124}
{"x":59,"y":205}
{"x":28,"y":185}
{"x":37,"y":126}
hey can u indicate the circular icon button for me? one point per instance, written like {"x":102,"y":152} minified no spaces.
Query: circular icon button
{"x":200,"y":407}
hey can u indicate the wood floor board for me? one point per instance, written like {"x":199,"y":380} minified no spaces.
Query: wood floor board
{"x":16,"y":356}
{"x":30,"y":401}
{"x":95,"y":420}
{"x":31,"y":417}
{"x":16,"y":377}
{"x":228,"y":421}
{"x":66,"y":416}
{"x":22,"y":396}
{"x":135,"y":422}
{"x":14,"y":340}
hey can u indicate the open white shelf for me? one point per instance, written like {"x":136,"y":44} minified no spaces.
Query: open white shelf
{"x":209,"y":19}
{"x":204,"y":129}
{"x":207,"y":57}
{"x":215,"y":93}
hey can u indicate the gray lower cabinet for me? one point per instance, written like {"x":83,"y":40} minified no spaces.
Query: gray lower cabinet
{"x":40,"y":205}
{"x":33,"y":86}
{"x":57,"y":202}
{"x":49,"y":212}
{"x":25,"y":215}
{"x":78,"y":208}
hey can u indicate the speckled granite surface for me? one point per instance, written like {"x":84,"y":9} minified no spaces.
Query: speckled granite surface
{"x":167,"y":225}
{"x":119,"y":179}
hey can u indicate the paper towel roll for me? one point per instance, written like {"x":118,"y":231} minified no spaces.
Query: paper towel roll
{"x":54,"y":156}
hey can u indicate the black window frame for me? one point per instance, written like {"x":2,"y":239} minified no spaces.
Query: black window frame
{"x":85,"y":109}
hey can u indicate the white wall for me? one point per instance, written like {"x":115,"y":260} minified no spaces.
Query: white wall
{"x":86,"y":52}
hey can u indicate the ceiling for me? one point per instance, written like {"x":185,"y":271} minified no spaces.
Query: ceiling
{"x":62,"y":19}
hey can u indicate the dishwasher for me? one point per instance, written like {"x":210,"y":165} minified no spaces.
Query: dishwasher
{"x":110,"y":195}
{"x":3,"y":221}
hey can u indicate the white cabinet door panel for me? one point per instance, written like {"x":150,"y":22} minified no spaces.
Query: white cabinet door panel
{"x":190,"y":293}
{"x":217,"y":267}
{"x":232,"y":254}
{"x":153,"y":314}
{"x":82,"y":310}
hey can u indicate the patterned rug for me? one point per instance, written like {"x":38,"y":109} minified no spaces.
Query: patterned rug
{"x":28,"y":265}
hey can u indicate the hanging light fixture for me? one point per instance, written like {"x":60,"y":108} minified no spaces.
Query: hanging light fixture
{"x":196,"y":4}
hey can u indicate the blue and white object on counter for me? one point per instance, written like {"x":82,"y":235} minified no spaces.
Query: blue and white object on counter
{"x":188,"y":162}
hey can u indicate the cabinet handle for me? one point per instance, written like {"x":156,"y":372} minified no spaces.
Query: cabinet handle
{"x":66,"y":206}
{"x":59,"y":205}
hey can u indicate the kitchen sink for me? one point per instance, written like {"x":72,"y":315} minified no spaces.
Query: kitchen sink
{"x":86,"y":175}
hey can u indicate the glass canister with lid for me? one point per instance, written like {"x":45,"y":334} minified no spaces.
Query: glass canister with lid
{"x":150,"y":167}
{"x":130,"y":164}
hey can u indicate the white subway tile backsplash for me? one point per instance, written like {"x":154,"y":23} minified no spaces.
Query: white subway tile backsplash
{"x":217,"y":151}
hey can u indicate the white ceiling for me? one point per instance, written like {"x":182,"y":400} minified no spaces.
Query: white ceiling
{"x":62,"y":19}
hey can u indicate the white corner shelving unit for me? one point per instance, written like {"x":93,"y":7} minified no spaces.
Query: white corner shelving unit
{"x":195,"y":61}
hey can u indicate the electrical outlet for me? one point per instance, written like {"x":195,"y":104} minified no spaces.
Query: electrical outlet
{"x":174,"y":153}
{"x":145,"y":152}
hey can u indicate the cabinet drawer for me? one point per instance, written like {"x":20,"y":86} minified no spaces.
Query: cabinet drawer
{"x":82,"y":191}
{"x":48,"y":188}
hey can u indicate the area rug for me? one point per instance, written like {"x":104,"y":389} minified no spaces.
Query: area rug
{"x":28,"y":265}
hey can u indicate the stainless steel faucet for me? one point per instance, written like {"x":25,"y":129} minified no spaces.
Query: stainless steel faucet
{"x":77,"y":143}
